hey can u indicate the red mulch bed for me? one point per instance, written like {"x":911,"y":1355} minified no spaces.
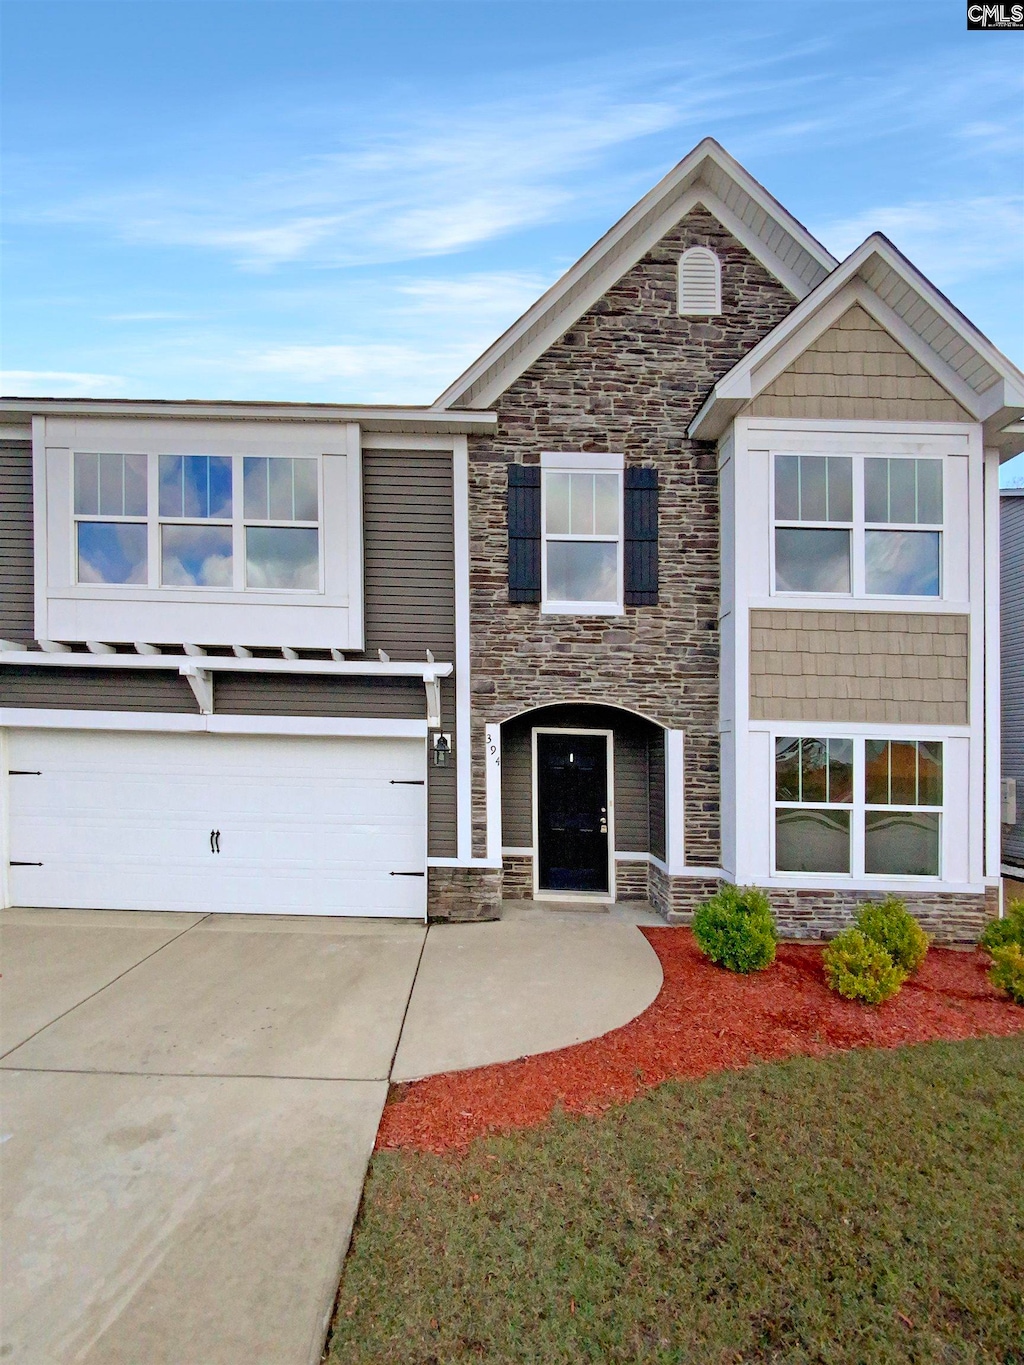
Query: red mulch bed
{"x":703,"y":1020}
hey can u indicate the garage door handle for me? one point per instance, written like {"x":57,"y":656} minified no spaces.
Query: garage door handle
{"x":407,"y":874}
{"x":214,"y":840}
{"x":14,"y":863}
{"x":23,"y":772}
{"x":408,"y":782}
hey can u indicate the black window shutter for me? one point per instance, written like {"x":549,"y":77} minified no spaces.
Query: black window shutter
{"x":524,"y":533}
{"x":641,"y":525}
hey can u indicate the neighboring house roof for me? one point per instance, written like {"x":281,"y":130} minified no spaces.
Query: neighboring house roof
{"x":900,"y":299}
{"x":707,"y":176}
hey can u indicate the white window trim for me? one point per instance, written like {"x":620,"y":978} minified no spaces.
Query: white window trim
{"x":68,"y":610}
{"x":598,"y":897}
{"x":857,"y":809}
{"x":857,"y":528}
{"x":582,"y":463}
{"x":238,"y":522}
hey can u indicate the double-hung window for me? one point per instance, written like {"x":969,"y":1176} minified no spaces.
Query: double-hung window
{"x":866,"y":807}
{"x":581,"y":555}
{"x":229,"y":522}
{"x":858,"y":525}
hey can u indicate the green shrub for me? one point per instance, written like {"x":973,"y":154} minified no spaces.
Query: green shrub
{"x":999,"y":933}
{"x":860,"y":969}
{"x":1007,"y":971}
{"x":736,"y":929}
{"x":891,"y":925}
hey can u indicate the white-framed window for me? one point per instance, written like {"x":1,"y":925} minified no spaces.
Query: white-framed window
{"x":700,"y":282}
{"x":859,"y":807}
{"x":859,"y":525}
{"x":581,"y":540}
{"x":228,"y":522}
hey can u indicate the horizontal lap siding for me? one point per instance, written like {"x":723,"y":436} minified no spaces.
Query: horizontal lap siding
{"x":632,"y":741}
{"x":290,"y":694}
{"x":17,"y":609}
{"x":95,"y":689}
{"x":409,"y":588}
{"x":1012,"y":562}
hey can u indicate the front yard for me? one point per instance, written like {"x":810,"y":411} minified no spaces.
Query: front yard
{"x":863,"y":1207}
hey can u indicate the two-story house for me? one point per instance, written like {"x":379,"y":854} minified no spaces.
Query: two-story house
{"x":692,"y":576}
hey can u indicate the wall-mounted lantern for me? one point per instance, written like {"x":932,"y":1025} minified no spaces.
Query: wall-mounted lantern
{"x":442,"y":750}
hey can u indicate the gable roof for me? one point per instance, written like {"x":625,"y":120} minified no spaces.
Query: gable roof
{"x":707,"y":176}
{"x":895,"y":293}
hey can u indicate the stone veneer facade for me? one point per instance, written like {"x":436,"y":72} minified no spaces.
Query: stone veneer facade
{"x":627,"y":377}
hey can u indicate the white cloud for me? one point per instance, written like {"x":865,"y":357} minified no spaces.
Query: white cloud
{"x":377,"y":373}
{"x":55,"y":383}
{"x":948,"y":239}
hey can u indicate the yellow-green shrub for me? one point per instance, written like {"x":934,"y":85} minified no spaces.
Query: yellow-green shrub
{"x":1007,"y":971}
{"x":860,"y":969}
{"x":891,"y":925}
{"x":1010,"y":929}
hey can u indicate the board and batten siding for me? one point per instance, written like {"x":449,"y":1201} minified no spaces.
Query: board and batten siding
{"x":1011,"y":534}
{"x":638,"y":763}
{"x":900,"y":667}
{"x":857,"y":370}
{"x":17,"y":607}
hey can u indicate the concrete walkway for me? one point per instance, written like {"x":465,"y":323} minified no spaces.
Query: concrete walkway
{"x":190,"y":1104}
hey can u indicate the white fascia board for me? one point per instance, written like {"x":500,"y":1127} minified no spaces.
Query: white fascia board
{"x":678,"y":191}
{"x":428,"y":672}
{"x":396,"y":419}
{"x":38,"y":718}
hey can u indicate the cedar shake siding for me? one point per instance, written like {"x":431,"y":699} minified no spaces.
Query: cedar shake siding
{"x":627,"y":377}
{"x":855,"y":369}
{"x":899,"y":667}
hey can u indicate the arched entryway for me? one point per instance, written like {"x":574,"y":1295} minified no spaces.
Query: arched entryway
{"x":583,"y":802}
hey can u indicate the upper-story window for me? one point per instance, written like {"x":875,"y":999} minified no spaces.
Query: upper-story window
{"x":581,"y":551}
{"x":858,"y":525}
{"x":197,"y":521}
{"x":700,"y":282}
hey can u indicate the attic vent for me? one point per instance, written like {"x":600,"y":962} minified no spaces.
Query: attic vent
{"x":700,"y":281}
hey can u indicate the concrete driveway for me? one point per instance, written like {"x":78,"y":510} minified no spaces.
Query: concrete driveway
{"x":190,"y":1104}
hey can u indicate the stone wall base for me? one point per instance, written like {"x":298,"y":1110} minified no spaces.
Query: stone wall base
{"x":947,"y":917}
{"x":631,"y":881}
{"x":517,"y":883}
{"x":463,"y":894}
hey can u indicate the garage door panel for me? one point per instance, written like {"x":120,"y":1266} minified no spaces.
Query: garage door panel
{"x":314,"y":826}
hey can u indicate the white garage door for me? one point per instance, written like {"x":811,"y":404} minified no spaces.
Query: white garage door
{"x":207,"y":822}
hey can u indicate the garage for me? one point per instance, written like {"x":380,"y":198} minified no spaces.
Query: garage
{"x":217,"y":823}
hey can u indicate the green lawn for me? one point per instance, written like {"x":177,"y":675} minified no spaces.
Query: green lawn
{"x":866,"y":1208}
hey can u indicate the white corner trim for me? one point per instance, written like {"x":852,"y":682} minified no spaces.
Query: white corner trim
{"x":675,"y":851}
{"x":5,"y":806}
{"x":463,"y":692}
{"x":36,"y":718}
{"x":589,"y":461}
{"x":354,"y":531}
{"x":492,"y":769}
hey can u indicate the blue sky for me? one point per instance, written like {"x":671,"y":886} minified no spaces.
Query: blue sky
{"x":348,"y":201}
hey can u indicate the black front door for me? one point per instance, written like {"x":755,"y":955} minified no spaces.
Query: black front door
{"x":572,"y":812}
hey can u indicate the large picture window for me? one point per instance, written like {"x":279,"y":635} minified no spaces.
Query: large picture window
{"x":858,"y":525}
{"x":582,"y":542}
{"x":868,"y":807}
{"x":198,"y":521}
